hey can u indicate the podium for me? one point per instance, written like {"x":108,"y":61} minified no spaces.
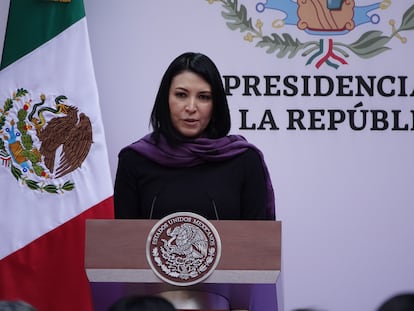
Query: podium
{"x":247,"y":275}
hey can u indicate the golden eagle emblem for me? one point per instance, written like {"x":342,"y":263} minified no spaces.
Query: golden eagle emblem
{"x":42,"y":140}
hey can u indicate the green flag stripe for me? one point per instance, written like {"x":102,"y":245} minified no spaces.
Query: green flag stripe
{"x":31,"y":23}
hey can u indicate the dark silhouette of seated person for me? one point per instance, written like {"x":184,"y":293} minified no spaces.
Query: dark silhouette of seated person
{"x":142,"y":303}
{"x":15,"y":305}
{"x":399,"y":302}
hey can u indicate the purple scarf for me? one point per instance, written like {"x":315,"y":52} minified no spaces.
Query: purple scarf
{"x":201,"y":150}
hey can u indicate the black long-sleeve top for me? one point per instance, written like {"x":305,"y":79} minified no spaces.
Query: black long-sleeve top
{"x":227,"y":190}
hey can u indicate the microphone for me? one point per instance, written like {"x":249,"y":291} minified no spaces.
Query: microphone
{"x":155,"y":198}
{"x":213,"y":203}
{"x":153,"y":205}
{"x":214,"y":206}
{"x":215,"y":209}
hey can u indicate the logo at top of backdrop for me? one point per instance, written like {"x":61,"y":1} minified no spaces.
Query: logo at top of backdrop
{"x":42,"y":140}
{"x":183,"y":248}
{"x":323,"y":18}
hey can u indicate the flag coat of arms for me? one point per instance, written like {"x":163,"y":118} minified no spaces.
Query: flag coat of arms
{"x":54,"y":169}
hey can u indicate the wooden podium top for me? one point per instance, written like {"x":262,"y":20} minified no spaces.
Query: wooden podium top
{"x":246,"y":275}
{"x":119,"y":245}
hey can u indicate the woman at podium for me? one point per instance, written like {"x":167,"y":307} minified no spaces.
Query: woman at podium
{"x":189,"y":162}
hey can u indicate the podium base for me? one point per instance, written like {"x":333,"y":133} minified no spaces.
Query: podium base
{"x":196,"y":300}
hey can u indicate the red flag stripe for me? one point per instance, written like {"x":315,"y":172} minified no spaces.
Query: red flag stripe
{"x":49,"y":268}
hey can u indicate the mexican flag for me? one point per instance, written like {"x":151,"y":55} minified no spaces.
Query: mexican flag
{"x":54,"y":169}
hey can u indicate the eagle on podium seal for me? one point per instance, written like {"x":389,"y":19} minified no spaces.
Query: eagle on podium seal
{"x":183,"y":248}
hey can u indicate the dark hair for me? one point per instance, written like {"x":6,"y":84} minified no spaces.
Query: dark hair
{"x":399,"y":302}
{"x":142,"y":303}
{"x":203,"y":66}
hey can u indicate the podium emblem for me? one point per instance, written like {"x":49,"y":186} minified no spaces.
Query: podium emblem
{"x":183,"y":249}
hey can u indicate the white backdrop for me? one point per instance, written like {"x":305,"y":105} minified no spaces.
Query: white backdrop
{"x":344,"y":197}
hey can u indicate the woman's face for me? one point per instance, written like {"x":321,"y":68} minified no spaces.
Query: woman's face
{"x":191,"y":104}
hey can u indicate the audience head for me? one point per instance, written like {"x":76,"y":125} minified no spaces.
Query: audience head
{"x":15,"y":305}
{"x":399,"y":302}
{"x":142,"y":303}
